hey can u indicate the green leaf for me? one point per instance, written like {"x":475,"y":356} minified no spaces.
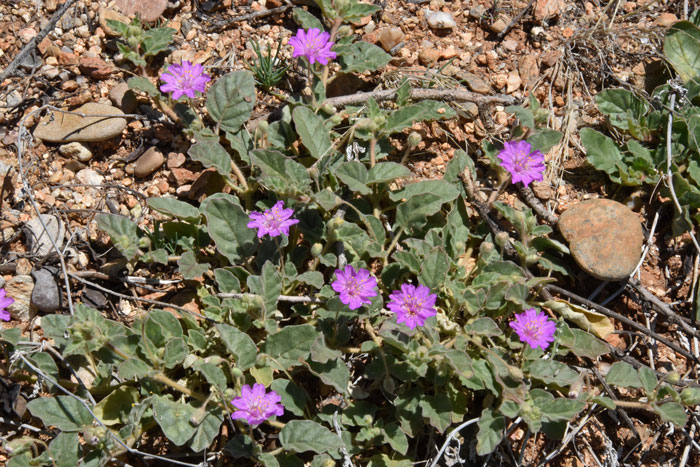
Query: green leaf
{"x":526,"y":117}
{"x":582,"y":344}
{"x":314,"y":134}
{"x":156,"y":40}
{"x":445,"y":190}
{"x":305,"y":435}
{"x":306,"y":20}
{"x":690,"y":396}
{"x":333,"y":373}
{"x":211,"y":154}
{"x":544,"y":140}
{"x":123,"y":231}
{"x":174,"y":208}
{"x":231,"y":100}
{"x":276,"y":165}
{"x":395,"y":438}
{"x":682,"y":49}
{"x":13,"y":335}
{"x":426,"y":110}
{"x":602,"y":152}
{"x":620,"y":105}
{"x":354,"y":174}
{"x":114,"y":409}
{"x":490,"y":433}
{"x":353,"y":10}
{"x":438,"y":410}
{"x":386,"y":172}
{"x":64,"y":412}
{"x":189,"y":267}
{"x":133,"y":368}
{"x":561,"y":409}
{"x":414,"y":212}
{"x":291,"y":344}
{"x":175,"y":352}
{"x":624,"y":375}
{"x":312,"y":278}
{"x":207,"y":430}
{"x":143,"y":84}
{"x":268,"y":285}
{"x":293,"y":397}
{"x":64,"y":450}
{"x":483,"y":327}
{"x":227,"y":225}
{"x":434,"y":269}
{"x":174,"y":419}
{"x":552,"y":372}
{"x":360,"y":57}
{"x":239,"y":344}
{"x":648,"y":379}
{"x":672,"y":412}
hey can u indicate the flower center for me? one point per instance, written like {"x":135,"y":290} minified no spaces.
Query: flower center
{"x":412,"y":305}
{"x":271,"y":219}
{"x":258,"y":407}
{"x":533,"y":330}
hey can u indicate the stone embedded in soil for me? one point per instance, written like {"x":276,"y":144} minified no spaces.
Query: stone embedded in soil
{"x":107,"y":14}
{"x":475,"y":83}
{"x":123,"y":97}
{"x":20,"y":288}
{"x":440,"y":20}
{"x":95,"y":67}
{"x":390,"y":37}
{"x":75,"y":151}
{"x":60,"y":127}
{"x":45,"y":294}
{"x":39,"y":240}
{"x":89,"y":177}
{"x":605,"y":237}
{"x":148,"y":11}
{"x":149,"y":162}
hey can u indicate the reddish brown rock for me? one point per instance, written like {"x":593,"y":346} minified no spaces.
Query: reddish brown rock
{"x":605,"y":237}
{"x":148,"y":11}
{"x":95,"y":67}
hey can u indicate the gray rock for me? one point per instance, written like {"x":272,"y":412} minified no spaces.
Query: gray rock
{"x":20,"y":288}
{"x":45,"y":295}
{"x":89,"y":177}
{"x":39,"y":240}
{"x":60,"y":127}
{"x":605,"y":237}
{"x":76,"y":151}
{"x":123,"y":97}
{"x":149,"y":162}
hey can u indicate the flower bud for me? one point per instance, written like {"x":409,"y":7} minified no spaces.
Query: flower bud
{"x":414,"y":139}
{"x":673,"y":377}
{"x":263,"y":126}
{"x":144,"y":243}
{"x":237,"y":372}
{"x":336,"y":119}
{"x":690,"y":396}
{"x":379,"y":120}
{"x":329,"y":109}
{"x":316,"y":250}
{"x":502,"y":239}
{"x":344,"y":30}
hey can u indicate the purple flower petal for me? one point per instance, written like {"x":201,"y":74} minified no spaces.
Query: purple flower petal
{"x":524,"y":164}
{"x":185,"y":79}
{"x":412,"y":305}
{"x":314,"y":45}
{"x":355,"y":287}
{"x":534,"y":328}
{"x":274,"y":221}
{"x":255,"y":406}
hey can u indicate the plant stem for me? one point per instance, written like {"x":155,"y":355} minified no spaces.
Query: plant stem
{"x":372,"y":152}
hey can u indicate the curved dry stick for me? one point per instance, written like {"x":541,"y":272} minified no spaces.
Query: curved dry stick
{"x":447,"y":95}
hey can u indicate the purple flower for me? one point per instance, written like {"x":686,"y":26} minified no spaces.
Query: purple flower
{"x":524,"y":164}
{"x":535,"y":328}
{"x":274,"y":221}
{"x":313,"y":44}
{"x":4,"y":303}
{"x":256,"y":406}
{"x":355,"y":286}
{"x":184,"y":79}
{"x":412,"y":304}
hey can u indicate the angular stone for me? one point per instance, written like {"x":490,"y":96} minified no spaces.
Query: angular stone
{"x":75,"y":151}
{"x":60,"y":127}
{"x":149,"y":11}
{"x":20,"y":288}
{"x":107,"y":14}
{"x":605,"y":238}
{"x":45,"y":295}
{"x":475,"y":83}
{"x":390,"y":37}
{"x":39,"y":240}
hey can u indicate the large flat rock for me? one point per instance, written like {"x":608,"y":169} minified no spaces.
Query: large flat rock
{"x":605,"y":237}
{"x":60,"y":127}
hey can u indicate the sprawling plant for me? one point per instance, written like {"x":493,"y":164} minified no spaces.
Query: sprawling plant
{"x":348,"y":312}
